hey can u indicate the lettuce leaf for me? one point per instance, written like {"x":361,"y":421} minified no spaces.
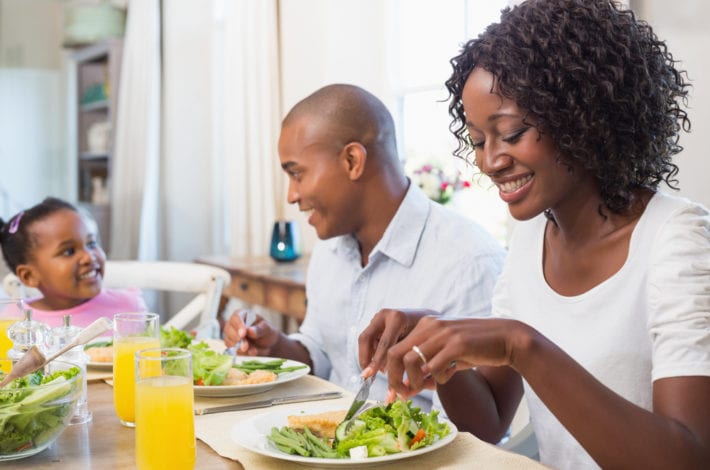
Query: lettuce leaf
{"x":209,"y":366}
{"x":390,"y":429}
{"x":174,"y":338}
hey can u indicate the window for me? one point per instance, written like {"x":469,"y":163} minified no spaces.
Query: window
{"x":428,"y":35}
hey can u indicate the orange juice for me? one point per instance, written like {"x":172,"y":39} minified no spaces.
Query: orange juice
{"x":165,"y":426}
{"x":124,"y":371}
{"x":5,"y":343}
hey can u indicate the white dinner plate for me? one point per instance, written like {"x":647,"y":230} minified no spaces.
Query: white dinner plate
{"x":252,"y":435}
{"x":239,"y":390}
{"x":99,"y":365}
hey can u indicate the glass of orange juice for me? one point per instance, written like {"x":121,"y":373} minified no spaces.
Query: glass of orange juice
{"x":10,"y":312}
{"x":131,"y":332}
{"x":165,"y":423}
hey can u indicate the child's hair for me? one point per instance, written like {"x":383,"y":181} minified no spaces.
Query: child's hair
{"x":592,"y":77}
{"x":15,"y":237}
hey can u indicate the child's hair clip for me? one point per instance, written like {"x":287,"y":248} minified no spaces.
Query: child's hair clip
{"x":15,"y":224}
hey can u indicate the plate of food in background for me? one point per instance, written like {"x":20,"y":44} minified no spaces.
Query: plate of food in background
{"x":219,"y":375}
{"x":100,"y":352}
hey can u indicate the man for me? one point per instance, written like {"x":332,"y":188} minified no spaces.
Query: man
{"x":384,"y":244}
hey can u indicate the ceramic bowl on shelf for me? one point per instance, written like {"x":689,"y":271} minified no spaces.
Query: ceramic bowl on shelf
{"x":33,"y":416}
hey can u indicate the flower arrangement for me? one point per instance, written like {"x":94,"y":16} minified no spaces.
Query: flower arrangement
{"x":439,"y":185}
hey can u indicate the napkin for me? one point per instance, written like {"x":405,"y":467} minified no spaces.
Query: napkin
{"x":465,"y":451}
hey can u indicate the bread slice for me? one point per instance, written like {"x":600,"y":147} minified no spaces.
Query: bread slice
{"x":320,"y":424}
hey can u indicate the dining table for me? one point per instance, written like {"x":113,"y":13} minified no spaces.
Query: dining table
{"x":105,"y":443}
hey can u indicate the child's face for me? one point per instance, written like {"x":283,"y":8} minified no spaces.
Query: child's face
{"x":66,"y":263}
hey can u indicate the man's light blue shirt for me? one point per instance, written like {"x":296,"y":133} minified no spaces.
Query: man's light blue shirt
{"x":428,"y":258}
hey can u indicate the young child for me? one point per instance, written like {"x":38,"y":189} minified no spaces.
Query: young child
{"x":55,"y":249}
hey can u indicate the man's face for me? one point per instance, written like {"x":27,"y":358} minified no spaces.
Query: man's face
{"x":318,"y":178}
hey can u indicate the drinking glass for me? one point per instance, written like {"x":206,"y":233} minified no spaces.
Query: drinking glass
{"x":165,"y":423}
{"x":131,"y":332}
{"x":10,"y":312}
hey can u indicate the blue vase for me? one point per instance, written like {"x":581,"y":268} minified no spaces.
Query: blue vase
{"x":285,"y":241}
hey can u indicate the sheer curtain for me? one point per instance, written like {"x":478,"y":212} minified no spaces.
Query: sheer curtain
{"x":247,"y":121}
{"x":198,"y":173}
{"x":135,"y":224}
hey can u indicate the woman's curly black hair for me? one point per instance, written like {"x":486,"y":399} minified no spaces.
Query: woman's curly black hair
{"x":595,"y":79}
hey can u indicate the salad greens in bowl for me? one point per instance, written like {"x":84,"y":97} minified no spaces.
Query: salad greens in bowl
{"x":35,"y":409}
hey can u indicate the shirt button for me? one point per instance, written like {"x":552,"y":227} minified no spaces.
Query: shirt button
{"x":353,"y":379}
{"x":353,"y":330}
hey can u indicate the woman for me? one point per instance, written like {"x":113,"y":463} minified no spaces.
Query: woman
{"x":572,"y":107}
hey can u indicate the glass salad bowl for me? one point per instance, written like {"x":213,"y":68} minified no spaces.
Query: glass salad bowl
{"x":34,"y":414}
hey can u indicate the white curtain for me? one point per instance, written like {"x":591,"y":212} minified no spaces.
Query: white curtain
{"x":135,"y":225}
{"x":248,"y":122}
{"x":198,"y":174}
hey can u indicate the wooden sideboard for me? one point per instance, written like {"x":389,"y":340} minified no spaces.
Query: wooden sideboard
{"x":279,"y":286}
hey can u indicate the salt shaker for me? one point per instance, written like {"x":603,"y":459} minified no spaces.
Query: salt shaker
{"x":27,"y":333}
{"x":58,"y":338}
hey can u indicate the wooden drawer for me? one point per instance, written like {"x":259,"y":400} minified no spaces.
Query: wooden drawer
{"x":248,"y":290}
{"x":297,"y":304}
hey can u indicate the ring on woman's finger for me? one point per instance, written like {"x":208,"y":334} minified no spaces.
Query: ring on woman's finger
{"x":419,"y":352}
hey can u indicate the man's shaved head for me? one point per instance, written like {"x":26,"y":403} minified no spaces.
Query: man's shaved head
{"x":347,"y":113}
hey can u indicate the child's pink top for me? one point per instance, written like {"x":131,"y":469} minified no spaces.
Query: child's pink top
{"x":106,"y":304}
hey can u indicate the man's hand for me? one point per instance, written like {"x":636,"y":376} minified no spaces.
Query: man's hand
{"x":257,"y":339}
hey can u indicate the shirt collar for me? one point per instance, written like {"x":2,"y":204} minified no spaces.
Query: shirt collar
{"x":401,"y":238}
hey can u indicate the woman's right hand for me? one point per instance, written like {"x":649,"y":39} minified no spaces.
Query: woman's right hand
{"x":386,"y":328}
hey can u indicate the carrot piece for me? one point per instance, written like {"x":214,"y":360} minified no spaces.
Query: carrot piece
{"x":418,"y":437}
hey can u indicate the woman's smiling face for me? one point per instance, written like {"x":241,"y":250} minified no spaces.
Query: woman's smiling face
{"x":522,"y":162}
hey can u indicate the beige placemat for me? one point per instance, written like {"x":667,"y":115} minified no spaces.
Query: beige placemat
{"x":466,"y":451}
{"x":98,"y":375}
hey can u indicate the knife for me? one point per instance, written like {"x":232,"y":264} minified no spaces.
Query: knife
{"x":270,"y":402}
{"x":360,"y":398}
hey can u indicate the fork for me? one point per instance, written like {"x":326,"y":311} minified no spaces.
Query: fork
{"x":248,"y":318}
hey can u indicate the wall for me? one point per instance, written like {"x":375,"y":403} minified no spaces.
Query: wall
{"x":685,"y":26}
{"x":33,"y":144}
